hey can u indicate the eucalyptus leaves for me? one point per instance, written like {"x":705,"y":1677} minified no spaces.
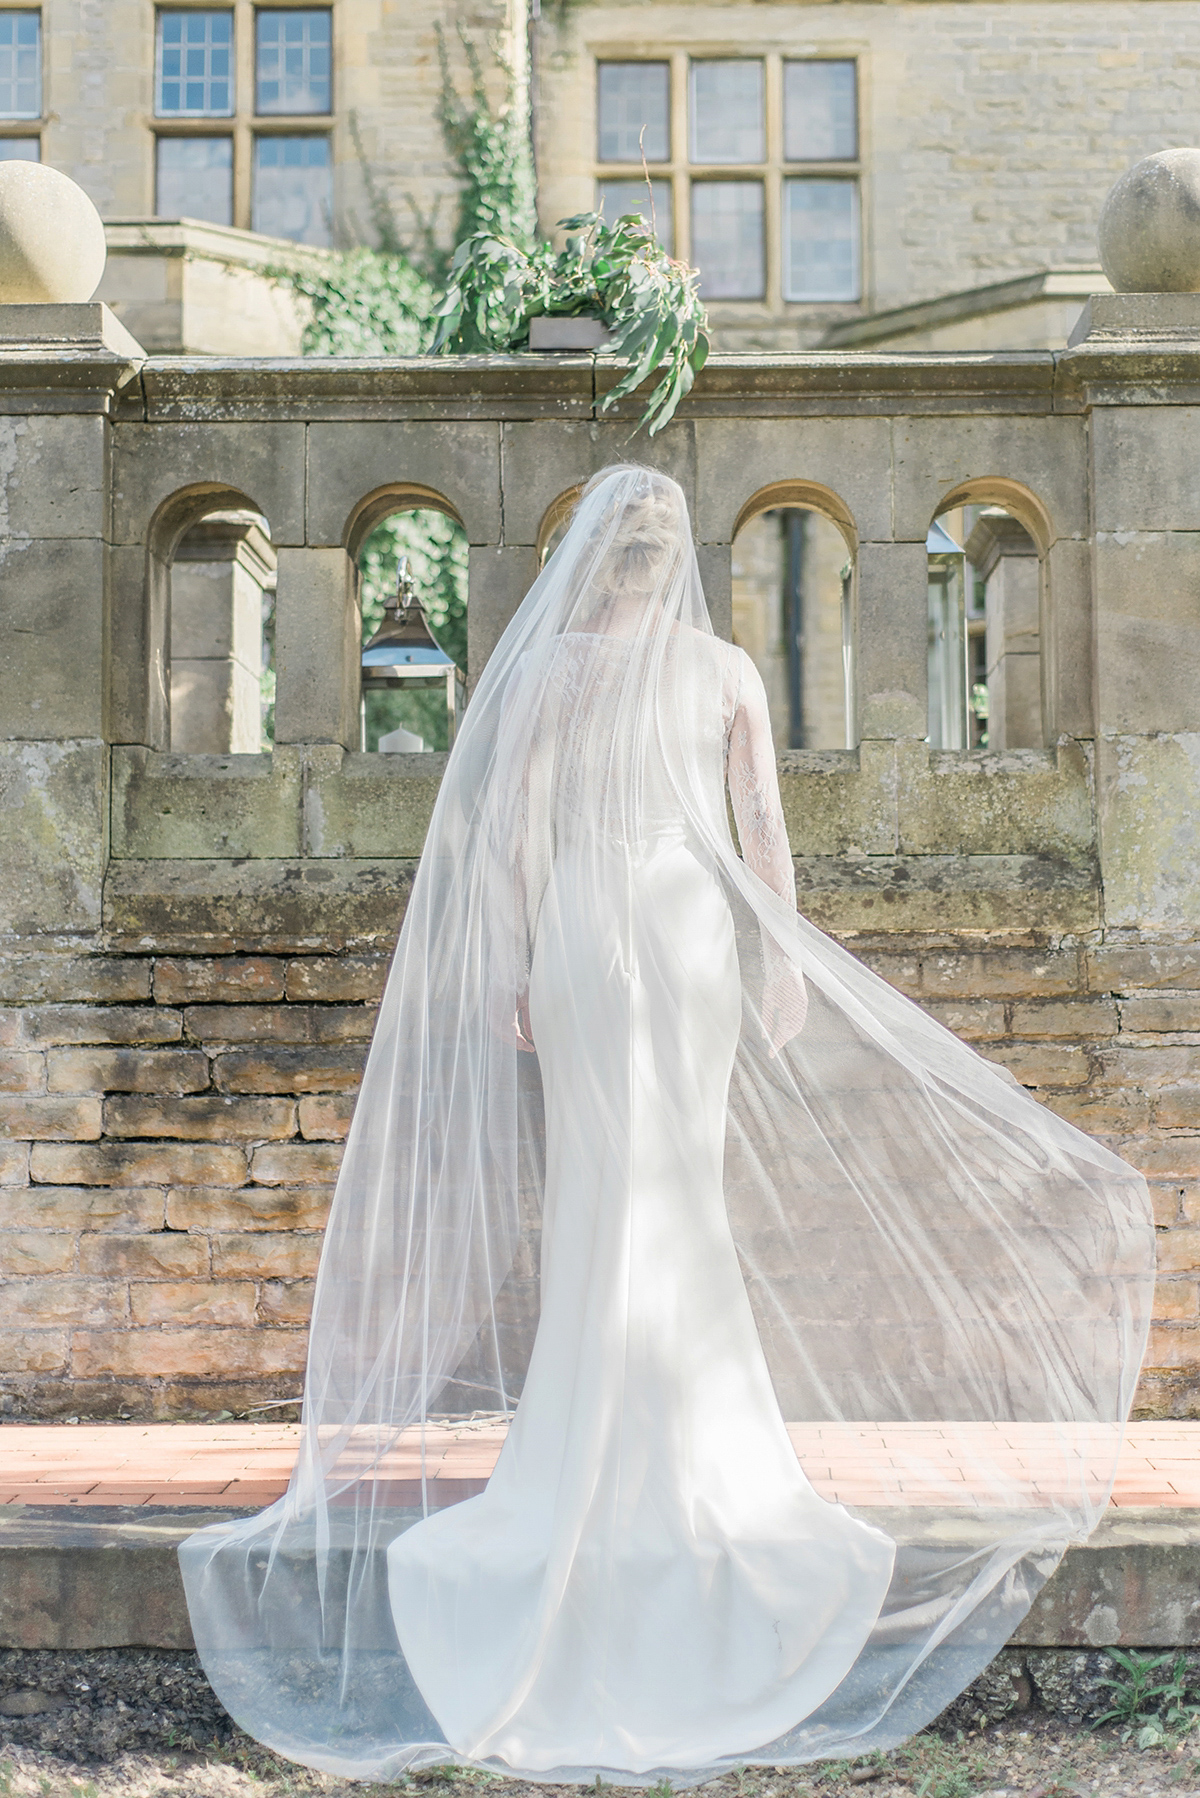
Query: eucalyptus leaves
{"x":618,"y":273}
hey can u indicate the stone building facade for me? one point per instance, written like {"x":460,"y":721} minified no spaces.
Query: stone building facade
{"x":192,"y":943}
{"x":822,"y":163}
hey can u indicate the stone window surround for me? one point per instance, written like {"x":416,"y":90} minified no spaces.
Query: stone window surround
{"x":679,"y":171}
{"x":244,"y":124}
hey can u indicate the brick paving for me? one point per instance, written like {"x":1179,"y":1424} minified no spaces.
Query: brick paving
{"x":245,"y":1465}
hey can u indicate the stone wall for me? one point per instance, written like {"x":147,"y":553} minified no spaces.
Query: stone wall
{"x":191,"y":944}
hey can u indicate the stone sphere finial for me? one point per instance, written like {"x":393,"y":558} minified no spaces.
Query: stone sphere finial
{"x":1149,"y":235}
{"x":52,"y":247}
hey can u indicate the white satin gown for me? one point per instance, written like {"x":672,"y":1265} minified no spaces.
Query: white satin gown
{"x":648,"y":1581}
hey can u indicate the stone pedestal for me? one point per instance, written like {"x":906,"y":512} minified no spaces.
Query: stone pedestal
{"x":1005,"y":558}
{"x":221,"y":571}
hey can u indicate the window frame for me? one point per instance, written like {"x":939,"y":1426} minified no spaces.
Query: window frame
{"x":679,"y":171}
{"x":244,"y":124}
{"x":32,"y":121}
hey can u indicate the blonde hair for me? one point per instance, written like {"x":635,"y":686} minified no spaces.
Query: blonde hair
{"x":649,"y":527}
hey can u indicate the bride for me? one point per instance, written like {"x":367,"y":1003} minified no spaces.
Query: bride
{"x":647,"y":1165}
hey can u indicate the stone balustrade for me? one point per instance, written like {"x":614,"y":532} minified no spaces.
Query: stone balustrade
{"x":191,"y":943}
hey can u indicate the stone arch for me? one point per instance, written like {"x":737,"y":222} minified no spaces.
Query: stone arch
{"x":381,"y":502}
{"x":554,"y":518}
{"x":174,"y":517}
{"x":793,"y":584}
{"x":1011,"y":628}
{"x":806,"y":496}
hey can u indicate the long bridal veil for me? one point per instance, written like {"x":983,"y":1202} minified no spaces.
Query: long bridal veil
{"x":945,"y":1287}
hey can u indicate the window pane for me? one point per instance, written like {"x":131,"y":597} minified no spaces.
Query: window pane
{"x":820,"y":112}
{"x":20,"y":149}
{"x":195,"y":65}
{"x":293,"y":188}
{"x":20,"y":65}
{"x":727,"y":111}
{"x":617,"y":197}
{"x":820,"y":240}
{"x":295,"y":61}
{"x":195,"y":179}
{"x":630,"y":96}
{"x":727,"y":238}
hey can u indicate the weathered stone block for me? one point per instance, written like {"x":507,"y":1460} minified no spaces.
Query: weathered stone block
{"x":33,"y":1351}
{"x":1102,"y":1113}
{"x":544,"y":459}
{"x":337,"y":977}
{"x":284,"y":1163}
{"x":377,"y":804}
{"x":157,"y":1255}
{"x":497,"y":581}
{"x":1147,"y":632}
{"x":1066,"y":640}
{"x":458,"y":461}
{"x":51,"y":1025}
{"x":212,"y":1118}
{"x":1173,"y":1014}
{"x":261,"y":463}
{"x":1035,"y":1064}
{"x":1148,"y":800}
{"x":279,"y":1070}
{"x":14,"y":1163}
{"x":1119,"y":969}
{"x":279,"y":1023}
{"x":51,"y":677}
{"x":220,"y":1302}
{"x":38,"y":1303}
{"x":39,"y":1252}
{"x":1045,"y":457}
{"x":286,"y":1301}
{"x":52,"y":832}
{"x":840,"y":802}
{"x":126,"y":1070}
{"x":1144,"y":471}
{"x":839,"y":466}
{"x":1002,"y":973}
{"x":22,"y":1071}
{"x":326,"y":1119}
{"x":266,"y":1255}
{"x":137,"y":1164}
{"x":1176,"y":1301}
{"x":231,"y":977}
{"x":976,"y":1020}
{"x":201,"y":1352}
{"x":54,"y":475}
{"x":50,"y":1119}
{"x":1080,"y":1018}
{"x":890,"y":637}
{"x":1178,"y":1108}
{"x":1166,"y":1157}
{"x":1173,"y":1346}
{"x":1021,"y":802}
{"x":191,"y":807}
{"x":1179,"y":1251}
{"x":252,"y":1208}
{"x":74,"y":979}
{"x":75,"y":1208}
{"x":317,"y":649}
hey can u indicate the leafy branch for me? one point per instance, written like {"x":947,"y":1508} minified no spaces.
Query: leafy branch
{"x":618,"y":273}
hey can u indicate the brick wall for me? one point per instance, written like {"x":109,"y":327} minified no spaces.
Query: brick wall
{"x":171,"y":1127}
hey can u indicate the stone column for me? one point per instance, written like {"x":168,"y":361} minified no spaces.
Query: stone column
{"x":221,"y":571}
{"x":1005,"y":558}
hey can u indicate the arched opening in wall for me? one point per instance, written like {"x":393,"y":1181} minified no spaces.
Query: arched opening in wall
{"x":793,"y":574}
{"x":412,"y":556}
{"x":556,"y":522}
{"x":221,"y":632}
{"x":985,"y":558}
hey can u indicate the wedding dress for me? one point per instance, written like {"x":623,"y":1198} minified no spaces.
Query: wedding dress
{"x":647,"y":1164}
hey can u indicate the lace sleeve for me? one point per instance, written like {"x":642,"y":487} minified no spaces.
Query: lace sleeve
{"x":754,"y":783}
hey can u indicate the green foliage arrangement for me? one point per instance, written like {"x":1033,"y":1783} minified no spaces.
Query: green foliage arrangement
{"x":618,"y":273}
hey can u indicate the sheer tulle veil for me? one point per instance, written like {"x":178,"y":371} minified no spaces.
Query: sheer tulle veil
{"x":941,"y":1271}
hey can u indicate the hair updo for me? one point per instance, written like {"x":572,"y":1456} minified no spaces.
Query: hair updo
{"x":649,"y":524}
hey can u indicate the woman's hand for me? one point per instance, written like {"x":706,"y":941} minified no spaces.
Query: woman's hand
{"x":524,"y":1032}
